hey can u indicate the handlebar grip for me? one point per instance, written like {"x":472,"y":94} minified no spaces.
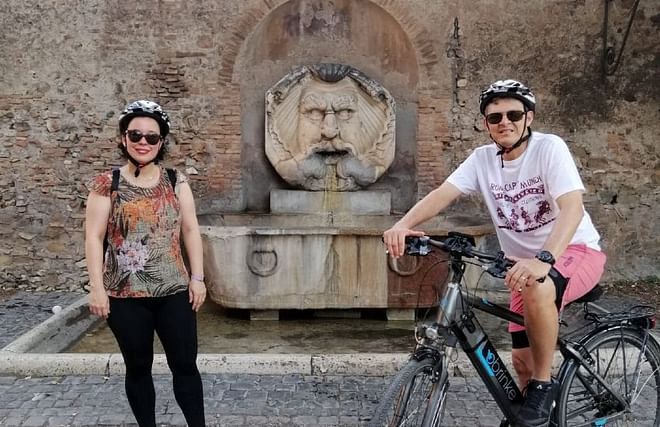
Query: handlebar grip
{"x":417,"y":245}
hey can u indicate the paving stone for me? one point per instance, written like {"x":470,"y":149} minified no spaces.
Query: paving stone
{"x":35,"y":421}
{"x":12,"y":421}
{"x":60,"y":420}
{"x":85,"y":420}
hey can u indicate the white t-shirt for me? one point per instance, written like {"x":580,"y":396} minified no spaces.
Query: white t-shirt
{"x":521,"y":196}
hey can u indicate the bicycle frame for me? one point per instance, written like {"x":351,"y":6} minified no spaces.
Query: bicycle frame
{"x":464,"y":326}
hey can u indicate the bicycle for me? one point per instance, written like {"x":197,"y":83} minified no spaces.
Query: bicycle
{"x":610,"y":374}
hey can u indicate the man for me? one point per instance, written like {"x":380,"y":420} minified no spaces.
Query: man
{"x":533,"y":192}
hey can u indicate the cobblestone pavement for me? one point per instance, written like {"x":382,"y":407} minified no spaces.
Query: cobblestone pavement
{"x":25,"y":310}
{"x":230,"y":400}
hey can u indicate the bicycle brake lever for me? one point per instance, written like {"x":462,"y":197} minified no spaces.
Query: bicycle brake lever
{"x":499,"y":266}
{"x":496,"y":272}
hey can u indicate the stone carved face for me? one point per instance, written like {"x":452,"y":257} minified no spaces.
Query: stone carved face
{"x":329,"y":135}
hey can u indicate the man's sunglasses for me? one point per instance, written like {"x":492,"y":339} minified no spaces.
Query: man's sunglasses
{"x":513,"y":116}
{"x":135,"y":136}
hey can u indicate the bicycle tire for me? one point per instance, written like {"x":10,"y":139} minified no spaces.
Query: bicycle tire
{"x":413,"y":398}
{"x":630,"y":367}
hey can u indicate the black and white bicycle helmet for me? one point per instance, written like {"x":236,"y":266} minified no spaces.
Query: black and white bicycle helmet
{"x":507,"y":89}
{"x":145,"y":108}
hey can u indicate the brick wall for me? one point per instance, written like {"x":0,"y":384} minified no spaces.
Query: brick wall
{"x":67,"y":70}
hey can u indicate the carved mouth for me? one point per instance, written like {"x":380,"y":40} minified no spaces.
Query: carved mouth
{"x":331,"y":157}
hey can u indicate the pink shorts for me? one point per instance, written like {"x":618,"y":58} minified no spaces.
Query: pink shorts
{"x":581,"y":265}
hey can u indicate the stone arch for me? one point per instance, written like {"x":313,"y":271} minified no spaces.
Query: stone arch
{"x":398,"y":9}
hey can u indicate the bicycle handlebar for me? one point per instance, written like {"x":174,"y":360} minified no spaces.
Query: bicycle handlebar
{"x":460,"y":245}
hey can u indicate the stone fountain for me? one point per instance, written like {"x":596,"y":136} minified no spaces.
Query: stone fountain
{"x":330,"y":134}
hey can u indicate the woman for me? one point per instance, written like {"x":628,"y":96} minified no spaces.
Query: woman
{"x":139,"y":283}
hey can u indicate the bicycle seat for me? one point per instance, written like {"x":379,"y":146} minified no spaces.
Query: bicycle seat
{"x":593,"y":295}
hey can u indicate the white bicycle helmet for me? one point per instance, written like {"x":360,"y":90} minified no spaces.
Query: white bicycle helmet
{"x":145,"y":108}
{"x":507,"y":89}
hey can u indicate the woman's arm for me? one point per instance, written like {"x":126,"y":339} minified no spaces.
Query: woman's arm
{"x":192,"y":240}
{"x":96,"y":223}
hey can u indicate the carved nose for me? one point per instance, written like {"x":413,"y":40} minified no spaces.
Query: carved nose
{"x":329,"y":127}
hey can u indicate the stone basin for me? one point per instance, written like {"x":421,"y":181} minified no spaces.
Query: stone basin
{"x":319,"y":261}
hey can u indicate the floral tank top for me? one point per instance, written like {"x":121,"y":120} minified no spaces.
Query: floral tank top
{"x":143,"y":256}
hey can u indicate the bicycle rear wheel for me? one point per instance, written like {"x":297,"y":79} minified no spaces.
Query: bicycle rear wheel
{"x":416,"y":396}
{"x":629,"y":363}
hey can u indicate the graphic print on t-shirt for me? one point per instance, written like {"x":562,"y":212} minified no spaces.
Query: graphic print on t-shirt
{"x":522,"y":206}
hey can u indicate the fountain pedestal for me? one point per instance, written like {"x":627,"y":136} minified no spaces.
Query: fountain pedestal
{"x":314,"y":202}
{"x":330,"y":260}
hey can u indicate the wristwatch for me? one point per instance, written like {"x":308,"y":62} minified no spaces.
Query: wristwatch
{"x":545,"y":256}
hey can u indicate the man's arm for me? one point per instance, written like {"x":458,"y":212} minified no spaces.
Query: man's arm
{"x":570,"y":214}
{"x":434,"y":202}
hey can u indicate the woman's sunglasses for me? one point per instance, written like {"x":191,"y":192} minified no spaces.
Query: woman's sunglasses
{"x":135,"y":136}
{"x":513,"y":116}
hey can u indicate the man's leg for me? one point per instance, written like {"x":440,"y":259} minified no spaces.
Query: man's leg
{"x":523,"y":363}
{"x":542,"y":324}
{"x":584,"y":267}
{"x":540,"y":298}
{"x":542,"y":327}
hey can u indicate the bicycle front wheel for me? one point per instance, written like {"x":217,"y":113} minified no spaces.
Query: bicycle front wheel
{"x":416,"y":396}
{"x":629,"y":362}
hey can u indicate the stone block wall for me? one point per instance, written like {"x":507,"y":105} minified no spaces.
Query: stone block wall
{"x":67,"y":69}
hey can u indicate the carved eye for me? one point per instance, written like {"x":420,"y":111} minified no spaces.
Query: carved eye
{"x":345,"y":114}
{"x":314,"y":114}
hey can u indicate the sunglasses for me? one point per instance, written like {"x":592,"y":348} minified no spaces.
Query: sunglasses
{"x":135,"y":136}
{"x":513,"y":116}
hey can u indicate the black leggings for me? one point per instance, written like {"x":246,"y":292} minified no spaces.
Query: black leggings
{"x":133,"y":322}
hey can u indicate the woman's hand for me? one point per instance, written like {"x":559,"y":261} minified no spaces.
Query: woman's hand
{"x":197,"y":293}
{"x":99,"y":303}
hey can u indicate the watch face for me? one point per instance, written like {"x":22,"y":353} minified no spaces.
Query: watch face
{"x":545,"y":256}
